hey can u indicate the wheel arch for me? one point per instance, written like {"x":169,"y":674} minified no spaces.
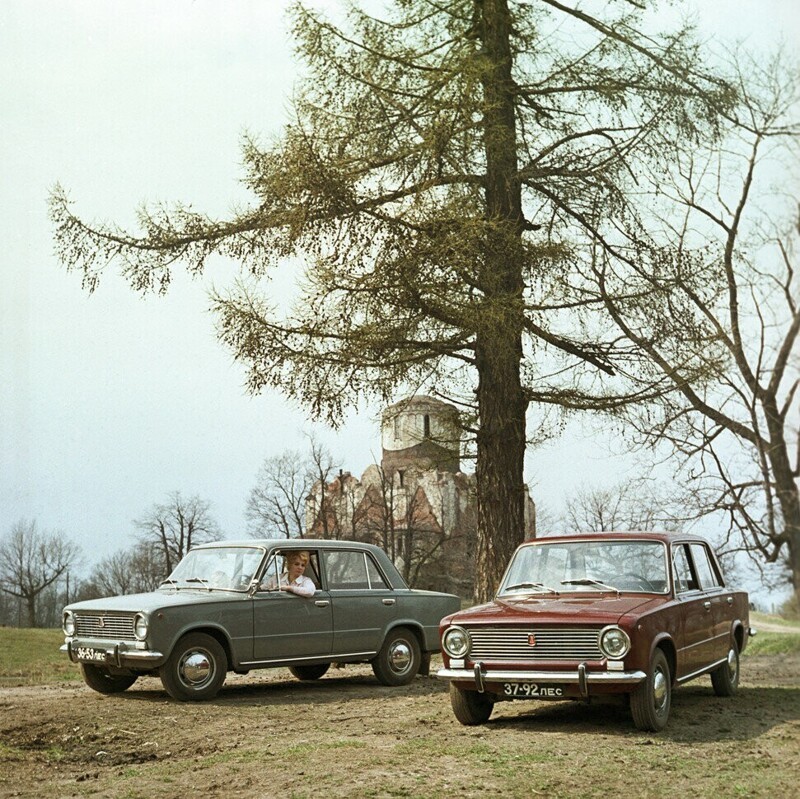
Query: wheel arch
{"x":412,"y":626}
{"x":217,"y":633}
{"x":667,"y":646}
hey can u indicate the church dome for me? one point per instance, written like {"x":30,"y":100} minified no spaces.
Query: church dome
{"x":420,"y":432}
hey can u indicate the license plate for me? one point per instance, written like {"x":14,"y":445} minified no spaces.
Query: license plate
{"x":532,"y":690}
{"x":87,"y":653}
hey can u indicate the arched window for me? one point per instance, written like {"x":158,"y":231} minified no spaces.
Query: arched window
{"x":426,"y":426}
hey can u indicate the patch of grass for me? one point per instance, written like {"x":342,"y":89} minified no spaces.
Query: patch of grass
{"x":766,"y":643}
{"x":32,"y":657}
{"x":757,"y":618}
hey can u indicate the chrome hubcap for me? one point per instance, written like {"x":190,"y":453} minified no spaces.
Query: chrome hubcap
{"x":196,"y":668}
{"x":732,"y":663}
{"x":659,"y":689}
{"x":400,"y":656}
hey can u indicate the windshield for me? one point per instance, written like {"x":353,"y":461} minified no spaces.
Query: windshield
{"x":222,"y":568}
{"x":591,"y":566}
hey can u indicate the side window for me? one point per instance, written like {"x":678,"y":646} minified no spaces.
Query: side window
{"x":684,"y":578}
{"x":346,"y":570}
{"x":375,"y":578}
{"x":705,"y":571}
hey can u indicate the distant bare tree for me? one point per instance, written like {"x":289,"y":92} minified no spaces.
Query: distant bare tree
{"x":177,"y":525}
{"x":31,"y":560}
{"x":276,"y":507}
{"x":626,"y":506}
{"x":323,"y":467}
{"x":129,"y":571}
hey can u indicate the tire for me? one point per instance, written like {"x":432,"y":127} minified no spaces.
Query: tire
{"x":470,"y":707}
{"x":309,"y":672}
{"x":101,"y":680}
{"x":651,"y":701}
{"x":196,"y":668}
{"x":399,"y":659}
{"x":725,"y":679}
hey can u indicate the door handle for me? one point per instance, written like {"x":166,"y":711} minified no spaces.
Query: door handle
{"x":730,"y":600}
{"x":388,"y":601}
{"x":707,"y":605}
{"x":322,"y":603}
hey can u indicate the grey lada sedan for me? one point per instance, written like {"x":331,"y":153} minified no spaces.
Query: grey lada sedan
{"x":222,"y":610}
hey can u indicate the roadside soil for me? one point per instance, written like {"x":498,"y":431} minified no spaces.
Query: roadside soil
{"x":266,"y":734}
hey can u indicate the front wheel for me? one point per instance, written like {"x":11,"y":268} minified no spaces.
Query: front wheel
{"x":650,"y":702}
{"x":398,"y":661}
{"x":100,"y":679}
{"x":725,"y":679}
{"x":195,"y":669}
{"x":470,"y":707}
{"x":309,"y":672}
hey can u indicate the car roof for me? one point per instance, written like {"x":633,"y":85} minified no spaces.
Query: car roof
{"x":619,"y":535}
{"x":288,"y":543}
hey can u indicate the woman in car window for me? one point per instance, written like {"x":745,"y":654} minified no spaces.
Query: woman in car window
{"x":293,"y":579}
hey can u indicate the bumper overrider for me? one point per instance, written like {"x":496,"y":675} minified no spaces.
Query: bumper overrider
{"x":120,"y":654}
{"x":484,"y":678}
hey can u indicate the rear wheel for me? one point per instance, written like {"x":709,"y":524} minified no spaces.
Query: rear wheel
{"x":470,"y":707}
{"x":196,"y":668}
{"x":100,"y":679}
{"x":650,"y":702}
{"x":309,"y":672}
{"x":725,"y":679}
{"x":398,"y":661}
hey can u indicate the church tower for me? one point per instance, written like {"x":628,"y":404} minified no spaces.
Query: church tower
{"x":420,"y":432}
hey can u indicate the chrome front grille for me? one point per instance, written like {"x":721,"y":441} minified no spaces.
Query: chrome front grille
{"x":534,"y":643}
{"x":101,"y":625}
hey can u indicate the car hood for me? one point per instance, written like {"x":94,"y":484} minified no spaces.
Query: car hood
{"x":595,"y":609}
{"x":133,"y":603}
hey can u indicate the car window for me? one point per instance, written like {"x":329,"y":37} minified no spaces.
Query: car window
{"x":346,"y":569}
{"x":682,"y":570}
{"x":375,"y":577}
{"x":277,"y":565}
{"x":705,"y":571}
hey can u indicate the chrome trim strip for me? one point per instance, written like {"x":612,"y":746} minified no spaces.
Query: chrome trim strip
{"x":332,"y":658}
{"x":601,"y":677}
{"x":705,"y":669}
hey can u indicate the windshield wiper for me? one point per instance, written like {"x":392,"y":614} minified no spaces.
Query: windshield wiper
{"x":541,"y":587}
{"x":202,"y":580}
{"x":168,"y":580}
{"x":594,"y":583}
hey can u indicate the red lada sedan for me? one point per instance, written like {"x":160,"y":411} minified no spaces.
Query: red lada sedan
{"x":598,"y":613}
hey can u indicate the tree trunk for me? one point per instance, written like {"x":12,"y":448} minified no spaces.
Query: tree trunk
{"x":30,"y":604}
{"x":501,"y":401}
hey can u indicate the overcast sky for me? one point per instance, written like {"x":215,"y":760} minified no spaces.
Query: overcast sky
{"x":109,"y":402}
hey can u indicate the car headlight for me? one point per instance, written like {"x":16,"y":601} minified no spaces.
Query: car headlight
{"x":614,"y":642}
{"x":68,"y":623}
{"x":140,"y":625}
{"x":456,"y":642}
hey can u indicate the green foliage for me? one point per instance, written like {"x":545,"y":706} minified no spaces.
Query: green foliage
{"x":445,"y":169}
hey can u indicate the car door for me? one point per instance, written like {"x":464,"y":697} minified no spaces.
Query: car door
{"x":363,"y":603}
{"x":693,"y":643}
{"x":287,"y":626}
{"x":714,"y":600}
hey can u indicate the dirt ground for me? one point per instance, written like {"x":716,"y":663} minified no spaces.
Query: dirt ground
{"x":266,"y":734}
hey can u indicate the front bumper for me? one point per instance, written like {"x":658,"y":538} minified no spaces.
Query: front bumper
{"x":121,"y":654}
{"x":582,"y":677}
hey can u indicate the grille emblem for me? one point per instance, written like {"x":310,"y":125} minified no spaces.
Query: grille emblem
{"x":102,"y":622}
{"x":531,"y":639}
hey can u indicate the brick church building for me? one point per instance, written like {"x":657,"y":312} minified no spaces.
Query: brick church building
{"x":417,"y":503}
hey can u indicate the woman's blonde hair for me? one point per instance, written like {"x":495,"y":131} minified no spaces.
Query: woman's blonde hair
{"x":299,"y":553}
